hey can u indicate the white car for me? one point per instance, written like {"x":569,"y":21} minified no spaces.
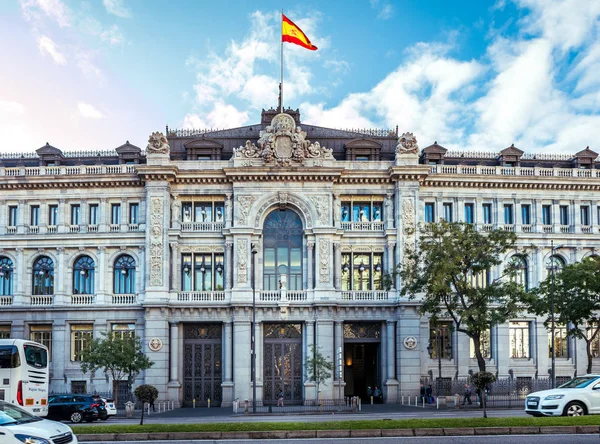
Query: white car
{"x":18,"y":426}
{"x":577,"y":397}
{"x":111,"y":408}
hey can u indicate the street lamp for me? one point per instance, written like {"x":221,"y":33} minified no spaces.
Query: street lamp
{"x":439,"y":356}
{"x":552,"y":352}
{"x":253,"y":332}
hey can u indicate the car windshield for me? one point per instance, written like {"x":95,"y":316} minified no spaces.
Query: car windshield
{"x":11,"y":414}
{"x":580,"y":382}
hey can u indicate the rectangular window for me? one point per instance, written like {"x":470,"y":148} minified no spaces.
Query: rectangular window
{"x":594,"y":346}
{"x":134,"y":213}
{"x":585,"y":215}
{"x":81,"y":338}
{"x":52,"y":214}
{"x":205,"y":272}
{"x":4,"y":331}
{"x":362,"y":271}
{"x":519,"y":339}
{"x":440,"y":340}
{"x":429,"y":212}
{"x":42,"y":334}
{"x":469,"y":218}
{"x":79,"y":387}
{"x":484,"y":345}
{"x":447,"y":212}
{"x":75,"y":214}
{"x":123,"y":330}
{"x":508,"y":214}
{"x":526,"y":214}
{"x":115,"y":214}
{"x":487,"y":213}
{"x":93,"y":214}
{"x":564,"y":215}
{"x":546,"y":214}
{"x":12,"y":216}
{"x":560,"y":342}
{"x":35,"y":216}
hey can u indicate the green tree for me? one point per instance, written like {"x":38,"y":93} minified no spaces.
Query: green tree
{"x":145,"y":393}
{"x":118,"y":355}
{"x":576,"y":301}
{"x":318,"y":367}
{"x":446,"y":270}
{"x":482,"y":380}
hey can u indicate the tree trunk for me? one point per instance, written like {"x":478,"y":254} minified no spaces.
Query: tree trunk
{"x":478,"y":355}
{"x":115,"y":391}
{"x":142,"y":417}
{"x":588,"y":349}
{"x":483,"y":396}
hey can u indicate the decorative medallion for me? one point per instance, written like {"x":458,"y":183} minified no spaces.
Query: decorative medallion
{"x":410,"y":342}
{"x":155,"y":344}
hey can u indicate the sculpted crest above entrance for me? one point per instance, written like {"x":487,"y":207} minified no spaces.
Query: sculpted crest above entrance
{"x":283,"y":144}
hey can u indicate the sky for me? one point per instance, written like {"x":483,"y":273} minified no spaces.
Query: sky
{"x":472,"y":74}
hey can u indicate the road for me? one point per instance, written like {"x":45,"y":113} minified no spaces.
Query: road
{"x":512,"y":439}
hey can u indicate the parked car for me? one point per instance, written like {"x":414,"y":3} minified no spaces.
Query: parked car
{"x":111,"y":408}
{"x":18,"y":426}
{"x":76,"y":408}
{"x":579,"y":396}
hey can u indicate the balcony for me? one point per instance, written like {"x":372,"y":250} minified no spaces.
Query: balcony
{"x":5,"y":301}
{"x":41,"y":300}
{"x":469,"y":170}
{"x":366,"y":295}
{"x":202,"y":226}
{"x":290,"y":295}
{"x":547,"y":228}
{"x":565,"y":229}
{"x":201,"y":296}
{"x":67,"y":170}
{"x":73,"y":229}
{"x":376,"y":225}
{"x":508,"y":227}
{"x":33,"y":229}
{"x":124,"y":299}
{"x":52,"y":229}
{"x":527,"y":228}
{"x":11,"y":229}
{"x":82,"y":299}
{"x":586,"y":229}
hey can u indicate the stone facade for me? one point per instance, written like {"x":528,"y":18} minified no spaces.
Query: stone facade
{"x":181,"y":239}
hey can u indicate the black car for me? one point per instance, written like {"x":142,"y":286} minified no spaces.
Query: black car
{"x":76,"y":408}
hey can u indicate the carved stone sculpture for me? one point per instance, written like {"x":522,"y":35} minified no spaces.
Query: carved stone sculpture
{"x":407,"y":144}
{"x":158,"y":144}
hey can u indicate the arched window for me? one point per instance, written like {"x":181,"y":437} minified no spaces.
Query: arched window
{"x":555,"y":263}
{"x":124,"y":275}
{"x":6,"y":276}
{"x":43,"y":276}
{"x":83,"y":275}
{"x":521,"y":270}
{"x":282,"y":250}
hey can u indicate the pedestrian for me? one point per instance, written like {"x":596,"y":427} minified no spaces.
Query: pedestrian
{"x":429,"y":394}
{"x":467,"y":395}
{"x":280,"y":399}
{"x":378,"y":395}
{"x":422,"y":393}
{"x":152,"y":404}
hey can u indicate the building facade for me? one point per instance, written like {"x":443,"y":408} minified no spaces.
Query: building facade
{"x":295,"y":227}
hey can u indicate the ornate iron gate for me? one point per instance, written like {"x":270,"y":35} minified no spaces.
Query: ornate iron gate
{"x":202,"y":369}
{"x":282,"y":369}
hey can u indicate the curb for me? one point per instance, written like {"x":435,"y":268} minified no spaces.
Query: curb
{"x":363,"y":433}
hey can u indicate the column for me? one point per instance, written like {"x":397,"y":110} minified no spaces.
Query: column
{"x":101,"y":277}
{"x":390,"y":263}
{"x":83,"y":215}
{"x":536,"y":216}
{"x":337,"y":265}
{"x":63,"y":216}
{"x":324,"y":334}
{"x":310,"y":247}
{"x":391,"y":349}
{"x":228,"y":211}
{"x":21,"y":217}
{"x":576,"y":216}
{"x":309,"y":386}
{"x":259,"y":359}
{"x":555,"y":216}
{"x":241,"y":374}
{"x":3,"y":215}
{"x":228,"y":264}
{"x":175,"y":267}
{"x":140,"y":282}
{"x":102,"y":210}
{"x":175,"y":213}
{"x":19,"y":278}
{"x":227,"y":384}
{"x":339,"y":383}
{"x":174,"y":354}
{"x":59,"y":276}
{"x":124,"y":215}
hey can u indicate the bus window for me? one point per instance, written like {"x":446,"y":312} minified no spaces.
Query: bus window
{"x":35,"y":356}
{"x":9,"y":356}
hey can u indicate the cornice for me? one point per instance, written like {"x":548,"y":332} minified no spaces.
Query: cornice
{"x":540,"y":182}
{"x":409,"y":173}
{"x":25,"y":183}
{"x":266,"y":174}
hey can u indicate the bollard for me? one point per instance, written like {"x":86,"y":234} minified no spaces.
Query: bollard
{"x":423,"y":400}
{"x":148,"y":413}
{"x":208,"y":402}
{"x":246,"y":407}
{"x":194,"y":403}
{"x":359,"y":405}
{"x":402,"y":399}
{"x":129,"y":409}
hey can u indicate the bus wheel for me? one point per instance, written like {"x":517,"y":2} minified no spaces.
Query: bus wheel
{"x":76,"y":417}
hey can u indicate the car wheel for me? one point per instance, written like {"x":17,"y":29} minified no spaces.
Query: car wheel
{"x":104,"y":418}
{"x":76,"y":417}
{"x":574,"y":409}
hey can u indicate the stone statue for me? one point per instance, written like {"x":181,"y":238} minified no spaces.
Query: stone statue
{"x":337,"y":210}
{"x":158,"y":144}
{"x":407,"y":144}
{"x":228,"y":208}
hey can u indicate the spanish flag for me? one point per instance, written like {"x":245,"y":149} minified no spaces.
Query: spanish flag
{"x":293,"y":34}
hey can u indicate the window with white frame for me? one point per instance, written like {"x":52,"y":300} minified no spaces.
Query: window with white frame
{"x":361,"y":210}
{"x":81,"y":339}
{"x":362,"y":271}
{"x":518,"y":332}
{"x":42,"y":333}
{"x":484,"y":345}
{"x":521,"y":276}
{"x":202,"y":272}
{"x":595,"y":343}
{"x":561,"y":342}
{"x":52,"y":215}
{"x":34,"y":219}
{"x":440,"y":340}
{"x":123,"y":330}
{"x":208,"y":211}
{"x":6,"y":276}
{"x":83,"y":275}
{"x":4,"y":331}
{"x":124,"y":275}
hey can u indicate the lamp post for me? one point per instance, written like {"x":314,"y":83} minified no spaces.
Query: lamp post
{"x":253,"y":332}
{"x":552,"y":352}
{"x":439,"y":356}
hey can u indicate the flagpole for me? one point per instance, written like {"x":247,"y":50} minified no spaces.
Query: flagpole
{"x":281,"y":67}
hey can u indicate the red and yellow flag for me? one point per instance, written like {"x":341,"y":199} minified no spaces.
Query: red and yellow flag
{"x":293,"y":34}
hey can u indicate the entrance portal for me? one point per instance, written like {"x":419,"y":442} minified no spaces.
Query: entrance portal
{"x":362,"y":359}
{"x":282,"y":362}
{"x":202,"y":370}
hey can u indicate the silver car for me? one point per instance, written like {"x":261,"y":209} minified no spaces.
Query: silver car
{"x":577,"y":397}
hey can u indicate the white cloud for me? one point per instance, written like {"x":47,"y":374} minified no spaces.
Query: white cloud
{"x":384,"y":9}
{"x":11,"y":108}
{"x":222,"y":116}
{"x":55,"y":9}
{"x":116,"y":7}
{"x":47,"y":46}
{"x":87,"y":66}
{"x":88,"y":111}
{"x":112,"y":35}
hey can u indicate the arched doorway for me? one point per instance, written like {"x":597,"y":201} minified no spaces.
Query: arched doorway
{"x":282,"y":250}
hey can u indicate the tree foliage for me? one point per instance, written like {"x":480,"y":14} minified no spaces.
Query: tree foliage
{"x":443,"y":271}
{"x":145,"y":393}
{"x":118,"y":355}
{"x":482,"y":380}
{"x":318,"y":367}
{"x":576,"y":301}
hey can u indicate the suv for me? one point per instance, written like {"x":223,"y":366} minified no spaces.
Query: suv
{"x":577,"y":397}
{"x":76,"y":408}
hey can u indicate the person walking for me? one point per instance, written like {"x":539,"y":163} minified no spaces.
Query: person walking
{"x":422,"y":393}
{"x":467,"y":395}
{"x":280,"y":399}
{"x":429,"y":394}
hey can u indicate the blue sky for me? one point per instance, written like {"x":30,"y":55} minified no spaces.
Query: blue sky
{"x":475,"y":75}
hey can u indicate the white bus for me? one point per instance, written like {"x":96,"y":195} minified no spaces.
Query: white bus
{"x":24,"y":375}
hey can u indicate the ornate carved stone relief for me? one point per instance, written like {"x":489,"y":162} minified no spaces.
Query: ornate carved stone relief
{"x":407,"y":144}
{"x":242,"y":261}
{"x":245,"y":202}
{"x":158,"y":144}
{"x":156,"y":242}
{"x":289,"y":198}
{"x":324,"y":260}
{"x":322,"y":207}
{"x":408,"y":215}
